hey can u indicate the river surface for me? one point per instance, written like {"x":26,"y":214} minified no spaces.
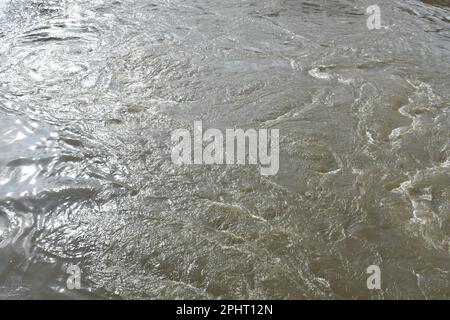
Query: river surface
{"x":90,"y":92}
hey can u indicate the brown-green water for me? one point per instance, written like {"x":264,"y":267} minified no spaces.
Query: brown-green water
{"x":90,"y":91}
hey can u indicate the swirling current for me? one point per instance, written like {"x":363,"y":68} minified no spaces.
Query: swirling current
{"x":90,"y":91}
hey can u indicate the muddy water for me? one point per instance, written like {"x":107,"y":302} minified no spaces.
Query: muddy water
{"x":91,"y":90}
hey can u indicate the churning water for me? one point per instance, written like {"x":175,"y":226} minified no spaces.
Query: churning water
{"x":90,"y":91}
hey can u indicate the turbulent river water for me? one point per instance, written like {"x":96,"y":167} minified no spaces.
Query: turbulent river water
{"x":91,"y":90}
